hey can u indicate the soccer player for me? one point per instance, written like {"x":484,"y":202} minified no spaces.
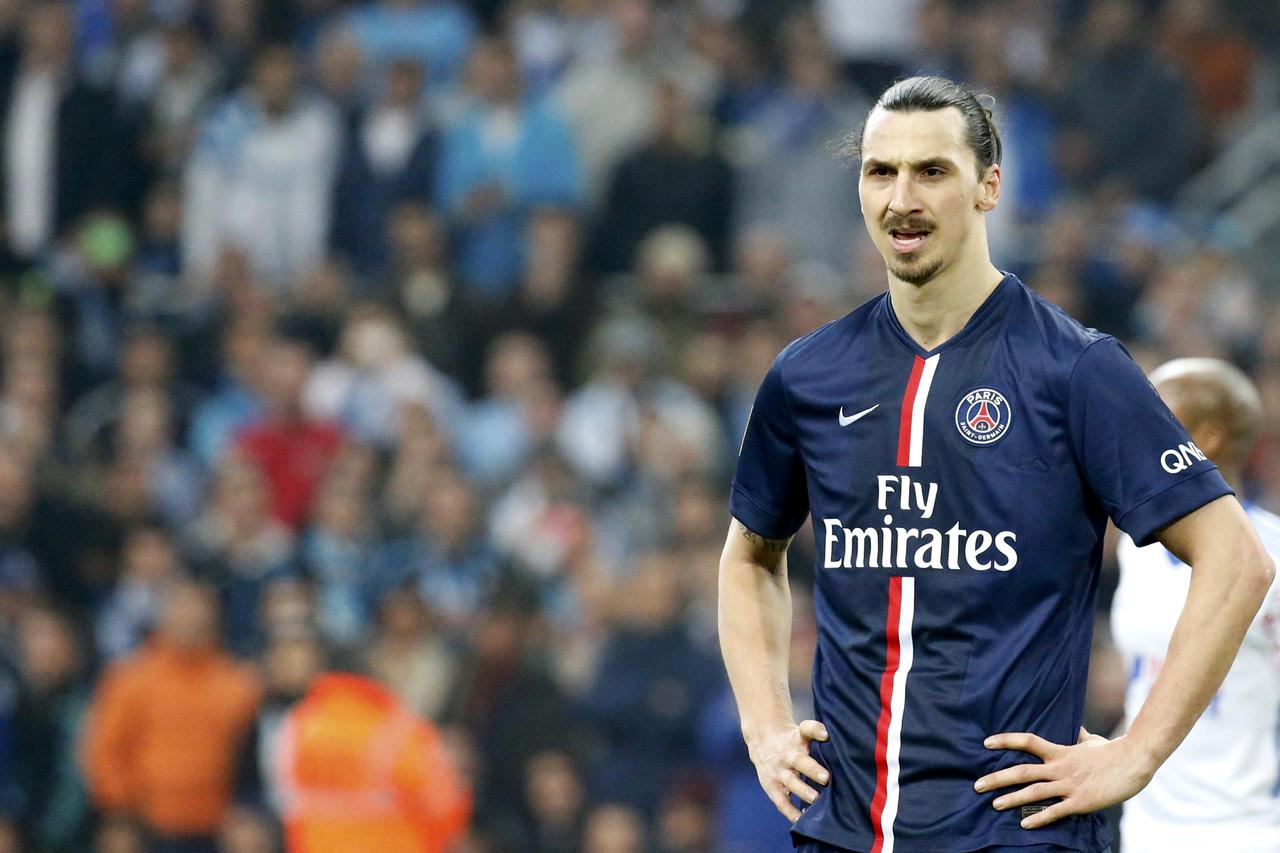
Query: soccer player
{"x":959,"y":444}
{"x":1218,"y":790}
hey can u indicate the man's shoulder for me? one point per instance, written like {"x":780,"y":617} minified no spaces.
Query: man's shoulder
{"x":1037,"y":320}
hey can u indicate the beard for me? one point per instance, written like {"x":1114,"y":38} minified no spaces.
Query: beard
{"x":915,"y":272}
{"x":911,"y":270}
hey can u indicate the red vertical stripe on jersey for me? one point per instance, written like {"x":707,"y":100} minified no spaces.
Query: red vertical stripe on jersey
{"x":893,"y":650}
{"x":908,"y":403}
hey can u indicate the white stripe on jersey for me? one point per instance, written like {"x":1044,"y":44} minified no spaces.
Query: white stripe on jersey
{"x":917,"y":409}
{"x":906,"y":653}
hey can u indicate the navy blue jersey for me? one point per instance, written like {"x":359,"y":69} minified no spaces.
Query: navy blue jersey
{"x":958,"y":498}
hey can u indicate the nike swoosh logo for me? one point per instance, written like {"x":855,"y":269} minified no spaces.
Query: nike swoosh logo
{"x":845,"y":421}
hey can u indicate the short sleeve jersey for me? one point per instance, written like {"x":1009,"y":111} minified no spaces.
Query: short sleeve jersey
{"x":958,"y":498}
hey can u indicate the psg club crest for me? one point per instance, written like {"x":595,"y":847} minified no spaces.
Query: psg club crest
{"x":983,"y":416}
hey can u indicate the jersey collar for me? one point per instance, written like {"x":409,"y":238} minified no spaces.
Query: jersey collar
{"x":989,"y":308}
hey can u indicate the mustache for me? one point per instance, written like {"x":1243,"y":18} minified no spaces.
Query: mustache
{"x":909,"y":223}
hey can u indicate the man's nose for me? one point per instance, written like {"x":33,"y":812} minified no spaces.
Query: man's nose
{"x":904,"y":200}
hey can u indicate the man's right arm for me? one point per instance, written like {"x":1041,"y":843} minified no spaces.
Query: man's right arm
{"x":755,"y":637}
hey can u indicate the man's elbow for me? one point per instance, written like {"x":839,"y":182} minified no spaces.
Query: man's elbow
{"x":1256,"y":571}
{"x":1266,"y":572}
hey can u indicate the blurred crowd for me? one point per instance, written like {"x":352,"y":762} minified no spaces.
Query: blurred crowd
{"x":422,"y":333}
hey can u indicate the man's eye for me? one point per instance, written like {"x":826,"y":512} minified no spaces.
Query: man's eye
{"x":933,"y":172}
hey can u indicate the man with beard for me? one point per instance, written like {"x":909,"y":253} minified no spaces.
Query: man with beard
{"x":959,"y":444}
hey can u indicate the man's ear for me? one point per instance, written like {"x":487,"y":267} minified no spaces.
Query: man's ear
{"x":989,"y":195}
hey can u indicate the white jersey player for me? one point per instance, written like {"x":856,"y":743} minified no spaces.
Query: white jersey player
{"x":1220,"y":790}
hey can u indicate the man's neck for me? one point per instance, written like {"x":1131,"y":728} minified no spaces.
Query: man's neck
{"x":933,"y":312}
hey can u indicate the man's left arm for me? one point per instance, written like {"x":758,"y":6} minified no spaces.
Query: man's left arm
{"x":1231,"y":573}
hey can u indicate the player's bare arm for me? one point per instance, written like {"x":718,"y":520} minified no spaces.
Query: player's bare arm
{"x":760,"y":544}
{"x":755,"y":634}
{"x":1231,"y":573}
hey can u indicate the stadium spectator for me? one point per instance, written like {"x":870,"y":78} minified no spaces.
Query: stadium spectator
{"x":421,"y":456}
{"x":1000,"y":66}
{"x":390,"y":156}
{"x":1210,"y":46}
{"x":246,"y":831}
{"x":790,"y":181}
{"x":684,"y":821}
{"x":608,"y":96}
{"x":555,"y":795}
{"x":374,"y":377}
{"x":91,"y":278}
{"x":336,"y":69}
{"x":54,"y":807}
{"x":149,"y":564}
{"x":147,"y":362}
{"x":410,"y":655}
{"x":165,"y":725}
{"x":510,"y":703}
{"x":600,"y":428}
{"x":516,"y":416}
{"x":873,"y":38}
{"x":62,"y":148}
{"x":544,"y":528}
{"x":670,"y":286}
{"x":145,"y":439}
{"x":650,"y":687}
{"x":239,"y":546}
{"x":359,"y":771}
{"x":158,"y":257}
{"x":614,"y":828}
{"x":675,"y":176}
{"x":335,"y":552}
{"x":423,"y":285}
{"x":290,"y":663}
{"x":291,"y":448}
{"x":261,"y":175}
{"x":446,"y":557}
{"x":188,"y":81}
{"x":502,"y":159}
{"x":119,"y":836}
{"x":28,"y":408}
{"x":287,"y":609}
{"x":44,"y":540}
{"x":1154,"y":151}
{"x":743,"y":84}
{"x":236,"y":401}
{"x":554,"y":300}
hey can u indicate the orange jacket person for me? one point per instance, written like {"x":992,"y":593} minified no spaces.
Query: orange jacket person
{"x":166,"y":723}
{"x":358,"y":771}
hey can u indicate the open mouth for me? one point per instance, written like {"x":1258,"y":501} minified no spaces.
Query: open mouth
{"x":907,"y":240}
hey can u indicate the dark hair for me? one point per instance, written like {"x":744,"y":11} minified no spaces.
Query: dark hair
{"x":939,"y":93}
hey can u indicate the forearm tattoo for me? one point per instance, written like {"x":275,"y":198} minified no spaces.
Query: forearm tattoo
{"x":775,"y":545}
